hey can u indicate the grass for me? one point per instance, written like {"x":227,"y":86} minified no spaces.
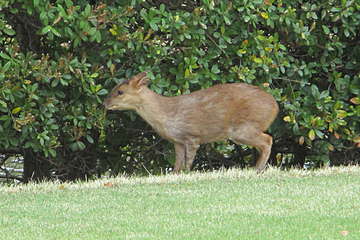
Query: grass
{"x":233,"y":204}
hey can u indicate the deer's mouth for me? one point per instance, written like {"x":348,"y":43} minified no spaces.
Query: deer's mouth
{"x":110,"y":107}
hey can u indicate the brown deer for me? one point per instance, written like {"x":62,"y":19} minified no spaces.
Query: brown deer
{"x":235,"y":111}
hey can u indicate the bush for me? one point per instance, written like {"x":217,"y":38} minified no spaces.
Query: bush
{"x":59,"y":58}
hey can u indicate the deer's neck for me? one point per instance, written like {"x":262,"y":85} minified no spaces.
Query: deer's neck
{"x":154,"y":109}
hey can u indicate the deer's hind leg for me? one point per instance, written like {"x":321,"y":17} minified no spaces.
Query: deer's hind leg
{"x":261,"y":141}
{"x":180,"y":157}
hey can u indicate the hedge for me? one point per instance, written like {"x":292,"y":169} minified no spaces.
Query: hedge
{"x":59,"y":58}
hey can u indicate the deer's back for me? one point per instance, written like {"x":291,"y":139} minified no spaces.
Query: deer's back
{"x":212,"y":112}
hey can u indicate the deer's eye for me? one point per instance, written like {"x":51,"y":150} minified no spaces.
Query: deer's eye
{"x":119,"y":92}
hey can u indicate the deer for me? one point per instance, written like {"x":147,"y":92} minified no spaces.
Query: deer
{"x":238,"y":112}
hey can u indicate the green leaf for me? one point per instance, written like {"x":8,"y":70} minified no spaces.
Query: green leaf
{"x":319,"y":133}
{"x":247,"y":19}
{"x":36,"y":3}
{"x":42,"y":141}
{"x":94,"y":75}
{"x":87,"y":10}
{"x":98,"y":36}
{"x":4,"y":55}
{"x":355,"y":100}
{"x":52,"y":152}
{"x":55,"y":32}
{"x":6,"y":66}
{"x":153,"y":25}
{"x":264,"y":15}
{"x":74,"y":147}
{"x":227,"y":20}
{"x":68,"y":3}
{"x":16,"y":110}
{"x":62,"y":11}
{"x":4,"y":117}
{"x":324,"y":94}
{"x":89,"y":139}
{"x":54,"y":127}
{"x":287,"y":119}
{"x":102,"y":92}
{"x":311,"y":134}
{"x":55,"y":82}
{"x":187,"y":73}
{"x":356,"y":139}
{"x":3,"y":104}
{"x":43,"y":17}
{"x":81,"y":145}
{"x":13,"y":10}
{"x":45,"y":30}
{"x":67,"y":76}
{"x":258,"y":60}
{"x":92,"y":31}
{"x":215,"y":69}
{"x":9,"y":31}
{"x":64,"y":82}
{"x":315,"y":91}
{"x":341,"y":114}
{"x":326,"y":29}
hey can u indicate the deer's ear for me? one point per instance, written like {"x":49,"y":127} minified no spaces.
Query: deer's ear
{"x":139,"y":80}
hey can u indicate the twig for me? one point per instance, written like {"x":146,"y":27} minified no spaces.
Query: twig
{"x":146,"y":169}
{"x":150,"y":147}
{"x":214,"y":42}
{"x":291,"y":80}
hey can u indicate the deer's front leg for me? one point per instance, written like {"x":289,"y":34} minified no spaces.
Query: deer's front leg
{"x":190,"y":152}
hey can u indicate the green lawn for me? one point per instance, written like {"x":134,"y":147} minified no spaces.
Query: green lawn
{"x":234,"y":204}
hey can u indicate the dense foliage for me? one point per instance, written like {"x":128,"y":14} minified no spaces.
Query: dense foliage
{"x":58,"y":58}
